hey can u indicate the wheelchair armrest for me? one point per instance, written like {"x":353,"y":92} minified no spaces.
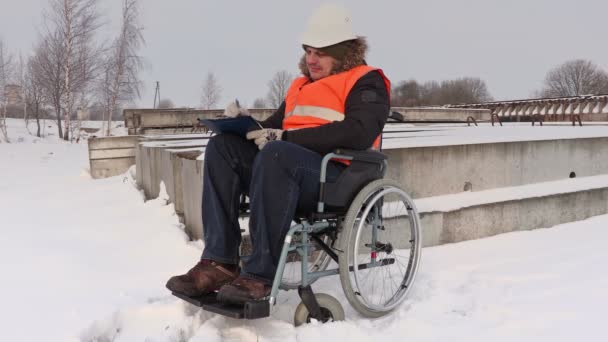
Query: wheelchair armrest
{"x":369,"y":156}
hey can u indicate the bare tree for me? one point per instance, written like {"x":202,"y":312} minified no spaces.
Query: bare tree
{"x":6,"y":70}
{"x":277,"y":88}
{"x":119,"y":82}
{"x":73,"y":23}
{"x":212,"y":91}
{"x":46,"y":65}
{"x":431,"y":94}
{"x":166,"y":103}
{"x":260,"y":102}
{"x":407,"y":94}
{"x":32,"y":89}
{"x":89,"y":64}
{"x":575,"y":77}
{"x":21,"y":81}
{"x":464,"y":90}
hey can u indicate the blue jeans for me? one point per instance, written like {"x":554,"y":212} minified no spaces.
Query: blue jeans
{"x":281,"y":180}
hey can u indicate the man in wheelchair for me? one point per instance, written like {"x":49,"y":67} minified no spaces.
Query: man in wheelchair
{"x":338,"y":102}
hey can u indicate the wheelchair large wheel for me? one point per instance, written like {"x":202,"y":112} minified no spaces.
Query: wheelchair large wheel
{"x":318,"y":260}
{"x":379,"y":246}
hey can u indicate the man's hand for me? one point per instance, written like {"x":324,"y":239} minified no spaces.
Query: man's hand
{"x":262,"y":136}
{"x":234,"y":109}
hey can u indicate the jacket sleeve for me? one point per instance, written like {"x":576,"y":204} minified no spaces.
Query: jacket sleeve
{"x":276,"y":119}
{"x":366,"y":111}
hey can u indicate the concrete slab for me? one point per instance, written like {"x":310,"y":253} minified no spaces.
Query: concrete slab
{"x":111,"y":156}
{"x":449,"y":136}
{"x":192,"y":175}
{"x":103,"y":168}
{"x":152,"y":160}
{"x":474,"y":215}
{"x":475,"y":158}
{"x":177,"y":120}
{"x":170,"y":173}
{"x":436,"y":170}
{"x":441,"y":114}
{"x":508,"y":216}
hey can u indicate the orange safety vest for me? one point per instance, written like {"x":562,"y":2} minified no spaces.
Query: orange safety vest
{"x":312,"y":104}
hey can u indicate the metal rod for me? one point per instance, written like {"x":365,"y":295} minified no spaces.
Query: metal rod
{"x":281,"y":266}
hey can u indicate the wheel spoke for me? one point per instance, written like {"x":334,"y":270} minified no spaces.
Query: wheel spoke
{"x":392,"y":232}
{"x":292,"y":276}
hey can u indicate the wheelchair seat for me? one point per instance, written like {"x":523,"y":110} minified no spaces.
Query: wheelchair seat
{"x":364,"y":167}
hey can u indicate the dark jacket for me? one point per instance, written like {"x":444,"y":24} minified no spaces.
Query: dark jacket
{"x":366,"y":110}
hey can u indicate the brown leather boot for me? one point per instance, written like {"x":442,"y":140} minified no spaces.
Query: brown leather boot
{"x":205,"y":277}
{"x":243,"y":289}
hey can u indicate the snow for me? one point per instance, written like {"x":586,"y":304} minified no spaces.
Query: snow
{"x":452,"y":202}
{"x":175,"y":143}
{"x":486,"y":134}
{"x":70,"y":244}
{"x":193,"y":149}
{"x":408,"y":136}
{"x":87,"y":260}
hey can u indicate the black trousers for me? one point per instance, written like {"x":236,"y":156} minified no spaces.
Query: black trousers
{"x":281,"y":179}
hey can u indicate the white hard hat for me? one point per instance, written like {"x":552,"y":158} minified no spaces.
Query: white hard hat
{"x":330,"y":24}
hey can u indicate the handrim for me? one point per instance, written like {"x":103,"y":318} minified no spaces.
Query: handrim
{"x":350,"y":240}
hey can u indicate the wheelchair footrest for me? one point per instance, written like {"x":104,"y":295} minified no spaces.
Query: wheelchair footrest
{"x":251,"y":309}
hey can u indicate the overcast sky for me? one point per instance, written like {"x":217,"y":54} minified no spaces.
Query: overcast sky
{"x":510,"y":44}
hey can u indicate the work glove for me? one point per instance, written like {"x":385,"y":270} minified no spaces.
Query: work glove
{"x":262,"y":136}
{"x":234,"y":109}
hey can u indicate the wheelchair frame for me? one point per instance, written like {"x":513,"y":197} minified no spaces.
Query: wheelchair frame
{"x":308,"y":230}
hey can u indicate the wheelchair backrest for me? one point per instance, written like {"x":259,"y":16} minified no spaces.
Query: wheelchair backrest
{"x":358,"y":174}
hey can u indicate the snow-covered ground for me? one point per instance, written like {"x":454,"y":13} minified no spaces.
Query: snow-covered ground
{"x":448,"y":135}
{"x":87,"y":260}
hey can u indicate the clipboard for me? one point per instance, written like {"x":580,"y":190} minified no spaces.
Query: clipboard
{"x":239,"y":125}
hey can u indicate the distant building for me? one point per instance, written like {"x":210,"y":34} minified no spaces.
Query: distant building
{"x":83,"y":114}
{"x":13,"y":94}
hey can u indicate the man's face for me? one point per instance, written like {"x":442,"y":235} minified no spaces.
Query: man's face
{"x":319,"y":63}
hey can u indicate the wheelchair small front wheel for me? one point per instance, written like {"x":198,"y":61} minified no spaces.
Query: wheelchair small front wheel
{"x":331,"y":309}
{"x":380,"y":245}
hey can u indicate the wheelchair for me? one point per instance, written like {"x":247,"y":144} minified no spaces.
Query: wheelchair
{"x":367,"y":225}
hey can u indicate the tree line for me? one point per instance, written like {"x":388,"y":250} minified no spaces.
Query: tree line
{"x":72,"y":74}
{"x":70,"y":69}
{"x":572,"y":78}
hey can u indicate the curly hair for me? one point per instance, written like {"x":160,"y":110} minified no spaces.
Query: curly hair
{"x":355,"y":56}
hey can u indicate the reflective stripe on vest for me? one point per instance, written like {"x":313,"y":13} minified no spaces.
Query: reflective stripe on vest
{"x":317,"y":112}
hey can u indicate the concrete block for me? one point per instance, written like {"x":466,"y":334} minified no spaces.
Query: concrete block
{"x":111,"y":156}
{"x":509,"y":216}
{"x":151,"y":159}
{"x":102,"y":143}
{"x":170,"y":173}
{"x":160,"y":121}
{"x":192,"y":175}
{"x":103,"y":168}
{"x":441,"y":114}
{"x":141,"y":157}
{"x":139,"y":169}
{"x":431,"y":171}
{"x":112,"y":153}
{"x":438,"y":170}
